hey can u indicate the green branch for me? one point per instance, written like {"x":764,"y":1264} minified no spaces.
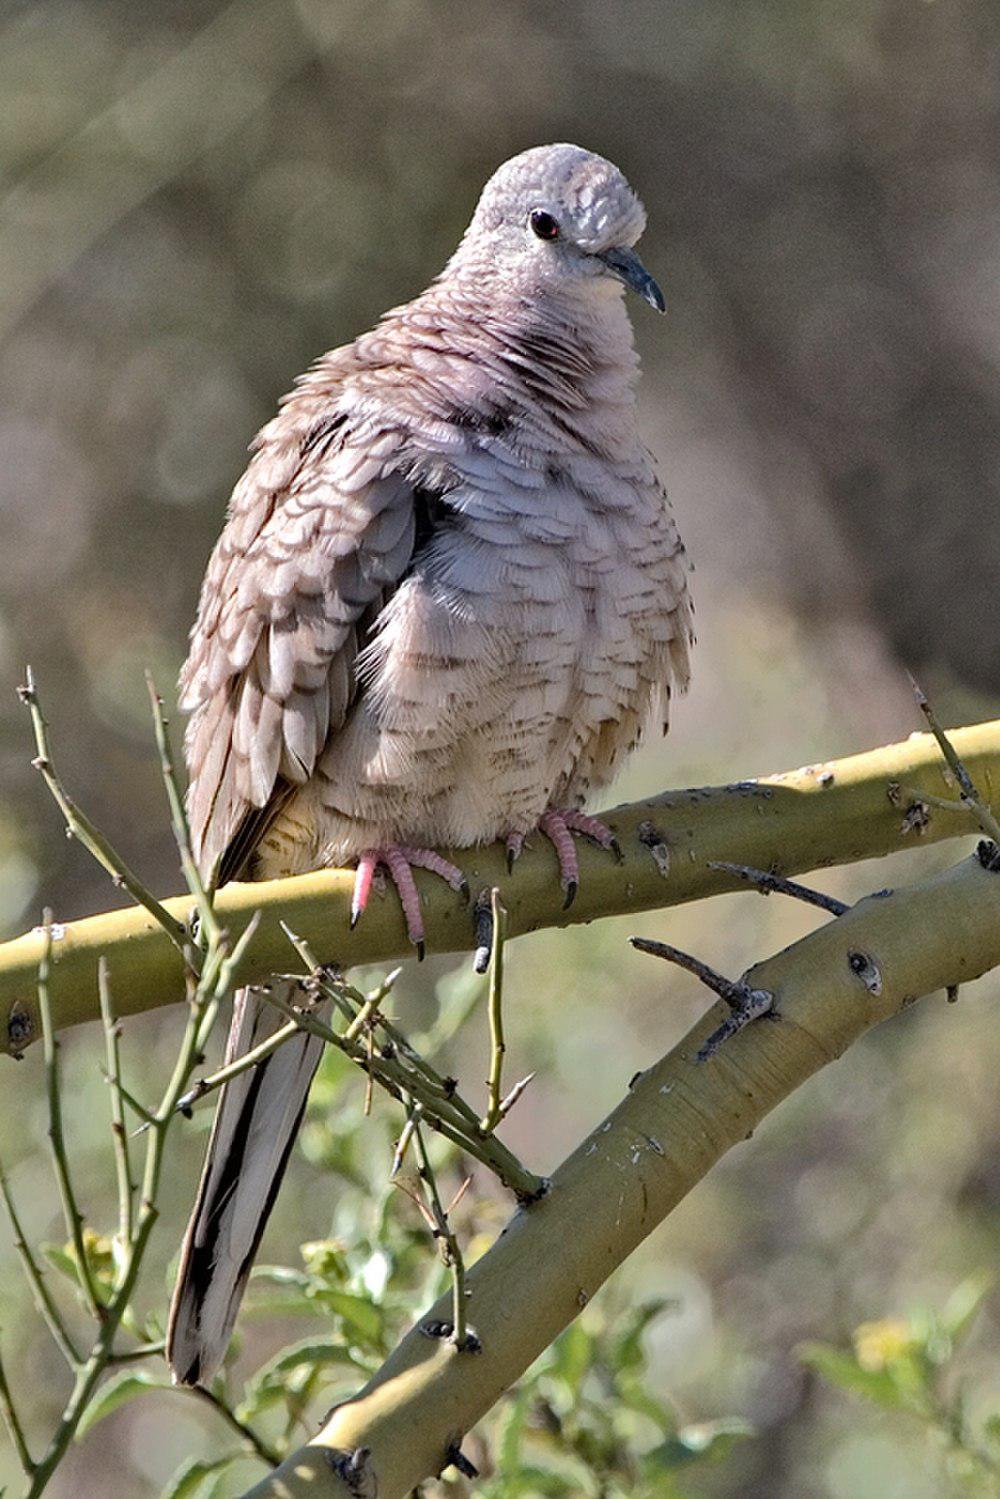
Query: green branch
{"x":678,"y":1119}
{"x":834,"y":813}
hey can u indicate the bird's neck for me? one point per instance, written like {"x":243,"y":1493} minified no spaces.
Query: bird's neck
{"x":570,"y":354}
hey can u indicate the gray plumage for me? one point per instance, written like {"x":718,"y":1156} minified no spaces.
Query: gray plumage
{"x":449,"y":594}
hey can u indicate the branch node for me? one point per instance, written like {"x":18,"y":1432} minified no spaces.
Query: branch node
{"x":988,"y":854}
{"x":353,"y":1467}
{"x":650,"y":837}
{"x":20,"y":1029}
{"x":864,"y":967}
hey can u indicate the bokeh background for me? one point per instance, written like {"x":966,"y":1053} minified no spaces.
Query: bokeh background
{"x":197,"y":199}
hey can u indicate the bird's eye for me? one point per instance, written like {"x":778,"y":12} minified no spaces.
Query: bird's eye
{"x":543,"y":224}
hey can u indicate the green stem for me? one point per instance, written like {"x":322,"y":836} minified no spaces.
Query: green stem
{"x":82,"y":828}
{"x":250,"y":1438}
{"x":119,"y":1134}
{"x":494,"y":1112}
{"x":13,"y":1424}
{"x":57,"y":1138}
{"x":44,"y":1303}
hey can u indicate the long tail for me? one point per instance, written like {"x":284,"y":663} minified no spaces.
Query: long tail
{"x":256,"y":1122}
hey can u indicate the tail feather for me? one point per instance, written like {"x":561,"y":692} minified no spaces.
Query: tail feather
{"x":256,"y":1122}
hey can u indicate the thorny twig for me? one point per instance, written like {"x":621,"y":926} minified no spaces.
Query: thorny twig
{"x":451,"y":1251}
{"x":494,"y":1111}
{"x":211,"y":977}
{"x":971,"y":798}
{"x":13,"y":1424}
{"x":57,"y":1140}
{"x":42,"y":1297}
{"x":745,"y":1004}
{"x":79,"y":826}
{"x":123,"y":1167}
{"x":769,"y":883}
{"x":405,"y":1076}
{"x":250,"y":1438}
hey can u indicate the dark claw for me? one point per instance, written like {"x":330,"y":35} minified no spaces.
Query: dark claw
{"x":511,"y":856}
{"x":616,"y":849}
{"x":355,"y":918}
{"x":464,"y":890}
{"x":421,"y":950}
{"x":571,"y":888}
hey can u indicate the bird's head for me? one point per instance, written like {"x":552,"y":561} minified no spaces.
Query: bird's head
{"x":558,"y":215}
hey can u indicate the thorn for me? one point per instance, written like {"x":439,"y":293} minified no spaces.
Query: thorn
{"x":457,"y":1459}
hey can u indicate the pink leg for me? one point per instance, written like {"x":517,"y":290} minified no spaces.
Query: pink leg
{"x":400,"y":861}
{"x":515,"y":844}
{"x":553,"y":825}
{"x":559,"y":828}
{"x":590,"y":827}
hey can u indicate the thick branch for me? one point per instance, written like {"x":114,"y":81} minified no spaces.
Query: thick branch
{"x":674,"y":1124}
{"x":834,"y":813}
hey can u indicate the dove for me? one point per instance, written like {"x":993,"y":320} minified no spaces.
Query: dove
{"x":448,"y":600}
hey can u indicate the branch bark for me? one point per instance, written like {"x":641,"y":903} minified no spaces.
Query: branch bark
{"x":834,"y":813}
{"x":678,"y":1119}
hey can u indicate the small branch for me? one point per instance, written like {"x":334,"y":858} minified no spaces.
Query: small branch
{"x":79,"y":826}
{"x":769,"y":883}
{"x":975,"y":803}
{"x":745,"y":1004}
{"x":133,"y":1355}
{"x":178,"y":817}
{"x":727,"y":989}
{"x":506,"y":1104}
{"x":13,"y":1424}
{"x":451,"y":1252}
{"x":396,"y":1071}
{"x":44,"y":1303}
{"x":57,"y":1139}
{"x":255,"y":1443}
{"x":494,"y":1109}
{"x":119,"y":1135}
{"x":243,"y":1063}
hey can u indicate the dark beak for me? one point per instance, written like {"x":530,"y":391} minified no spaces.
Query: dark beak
{"x":626,"y":265}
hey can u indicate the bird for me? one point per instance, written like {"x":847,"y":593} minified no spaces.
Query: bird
{"x":448,"y":600}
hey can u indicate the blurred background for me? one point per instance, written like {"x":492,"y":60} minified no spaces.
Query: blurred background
{"x":197,"y":199}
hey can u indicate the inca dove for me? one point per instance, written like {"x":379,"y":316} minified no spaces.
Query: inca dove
{"x":448,"y":597}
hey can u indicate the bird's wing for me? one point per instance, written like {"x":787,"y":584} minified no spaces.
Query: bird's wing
{"x":320,"y":530}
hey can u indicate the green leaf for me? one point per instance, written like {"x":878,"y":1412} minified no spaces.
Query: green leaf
{"x":359,"y":1314}
{"x":701,"y":1440}
{"x":510,"y":1429}
{"x":840,"y":1369}
{"x":628,"y":1347}
{"x":964,"y":1302}
{"x":316,"y":1354}
{"x":189,"y":1480}
{"x":115,"y":1392}
{"x":61,"y":1261}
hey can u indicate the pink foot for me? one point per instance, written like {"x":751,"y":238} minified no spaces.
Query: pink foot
{"x":400,"y":862}
{"x":559,"y":827}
